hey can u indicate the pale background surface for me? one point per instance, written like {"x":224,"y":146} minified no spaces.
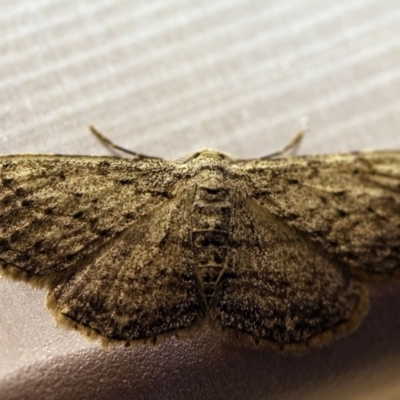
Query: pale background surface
{"x":168,"y":78}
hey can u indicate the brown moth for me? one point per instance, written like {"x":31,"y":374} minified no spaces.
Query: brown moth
{"x":133,"y":248}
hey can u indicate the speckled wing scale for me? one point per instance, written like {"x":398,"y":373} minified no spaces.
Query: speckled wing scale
{"x":132,"y":249}
{"x":143,"y":283}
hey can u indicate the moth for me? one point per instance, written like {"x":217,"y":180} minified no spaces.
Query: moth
{"x":274,"y":249}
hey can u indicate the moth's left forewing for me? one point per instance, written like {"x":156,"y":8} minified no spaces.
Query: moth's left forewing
{"x":107,"y":235}
{"x":57,"y":212}
{"x":348,"y":203}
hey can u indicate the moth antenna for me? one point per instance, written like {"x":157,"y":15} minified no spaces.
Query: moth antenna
{"x":290,"y":147}
{"x":108,"y":143}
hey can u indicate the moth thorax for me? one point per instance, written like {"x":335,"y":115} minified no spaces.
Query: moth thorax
{"x":211,"y":220}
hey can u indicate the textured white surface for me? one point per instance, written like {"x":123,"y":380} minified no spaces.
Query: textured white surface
{"x":168,"y":78}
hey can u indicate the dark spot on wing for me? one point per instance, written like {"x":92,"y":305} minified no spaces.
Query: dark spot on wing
{"x":28,"y":203}
{"x":20,"y":192}
{"x":7,"y":181}
{"x":79,"y":214}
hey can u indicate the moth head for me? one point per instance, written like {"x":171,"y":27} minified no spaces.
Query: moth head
{"x":209,"y":155}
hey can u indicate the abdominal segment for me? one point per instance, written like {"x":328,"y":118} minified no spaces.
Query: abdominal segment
{"x":211,"y":222}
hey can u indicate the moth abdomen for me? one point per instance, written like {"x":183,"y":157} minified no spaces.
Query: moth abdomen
{"x":211,"y":227}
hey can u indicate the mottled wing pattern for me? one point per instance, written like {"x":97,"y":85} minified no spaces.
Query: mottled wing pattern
{"x":142,"y":284}
{"x":56,"y":212}
{"x":113,"y":239}
{"x":280,"y":287}
{"x":348,"y":204}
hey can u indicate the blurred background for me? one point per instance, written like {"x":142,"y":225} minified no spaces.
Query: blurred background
{"x":168,"y":78}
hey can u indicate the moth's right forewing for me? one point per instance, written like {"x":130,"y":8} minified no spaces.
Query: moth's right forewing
{"x":349,"y":204}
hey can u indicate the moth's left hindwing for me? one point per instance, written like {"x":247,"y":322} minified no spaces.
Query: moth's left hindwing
{"x":141,"y":285}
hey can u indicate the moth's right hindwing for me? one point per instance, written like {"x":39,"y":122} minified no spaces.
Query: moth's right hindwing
{"x":279,"y":287}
